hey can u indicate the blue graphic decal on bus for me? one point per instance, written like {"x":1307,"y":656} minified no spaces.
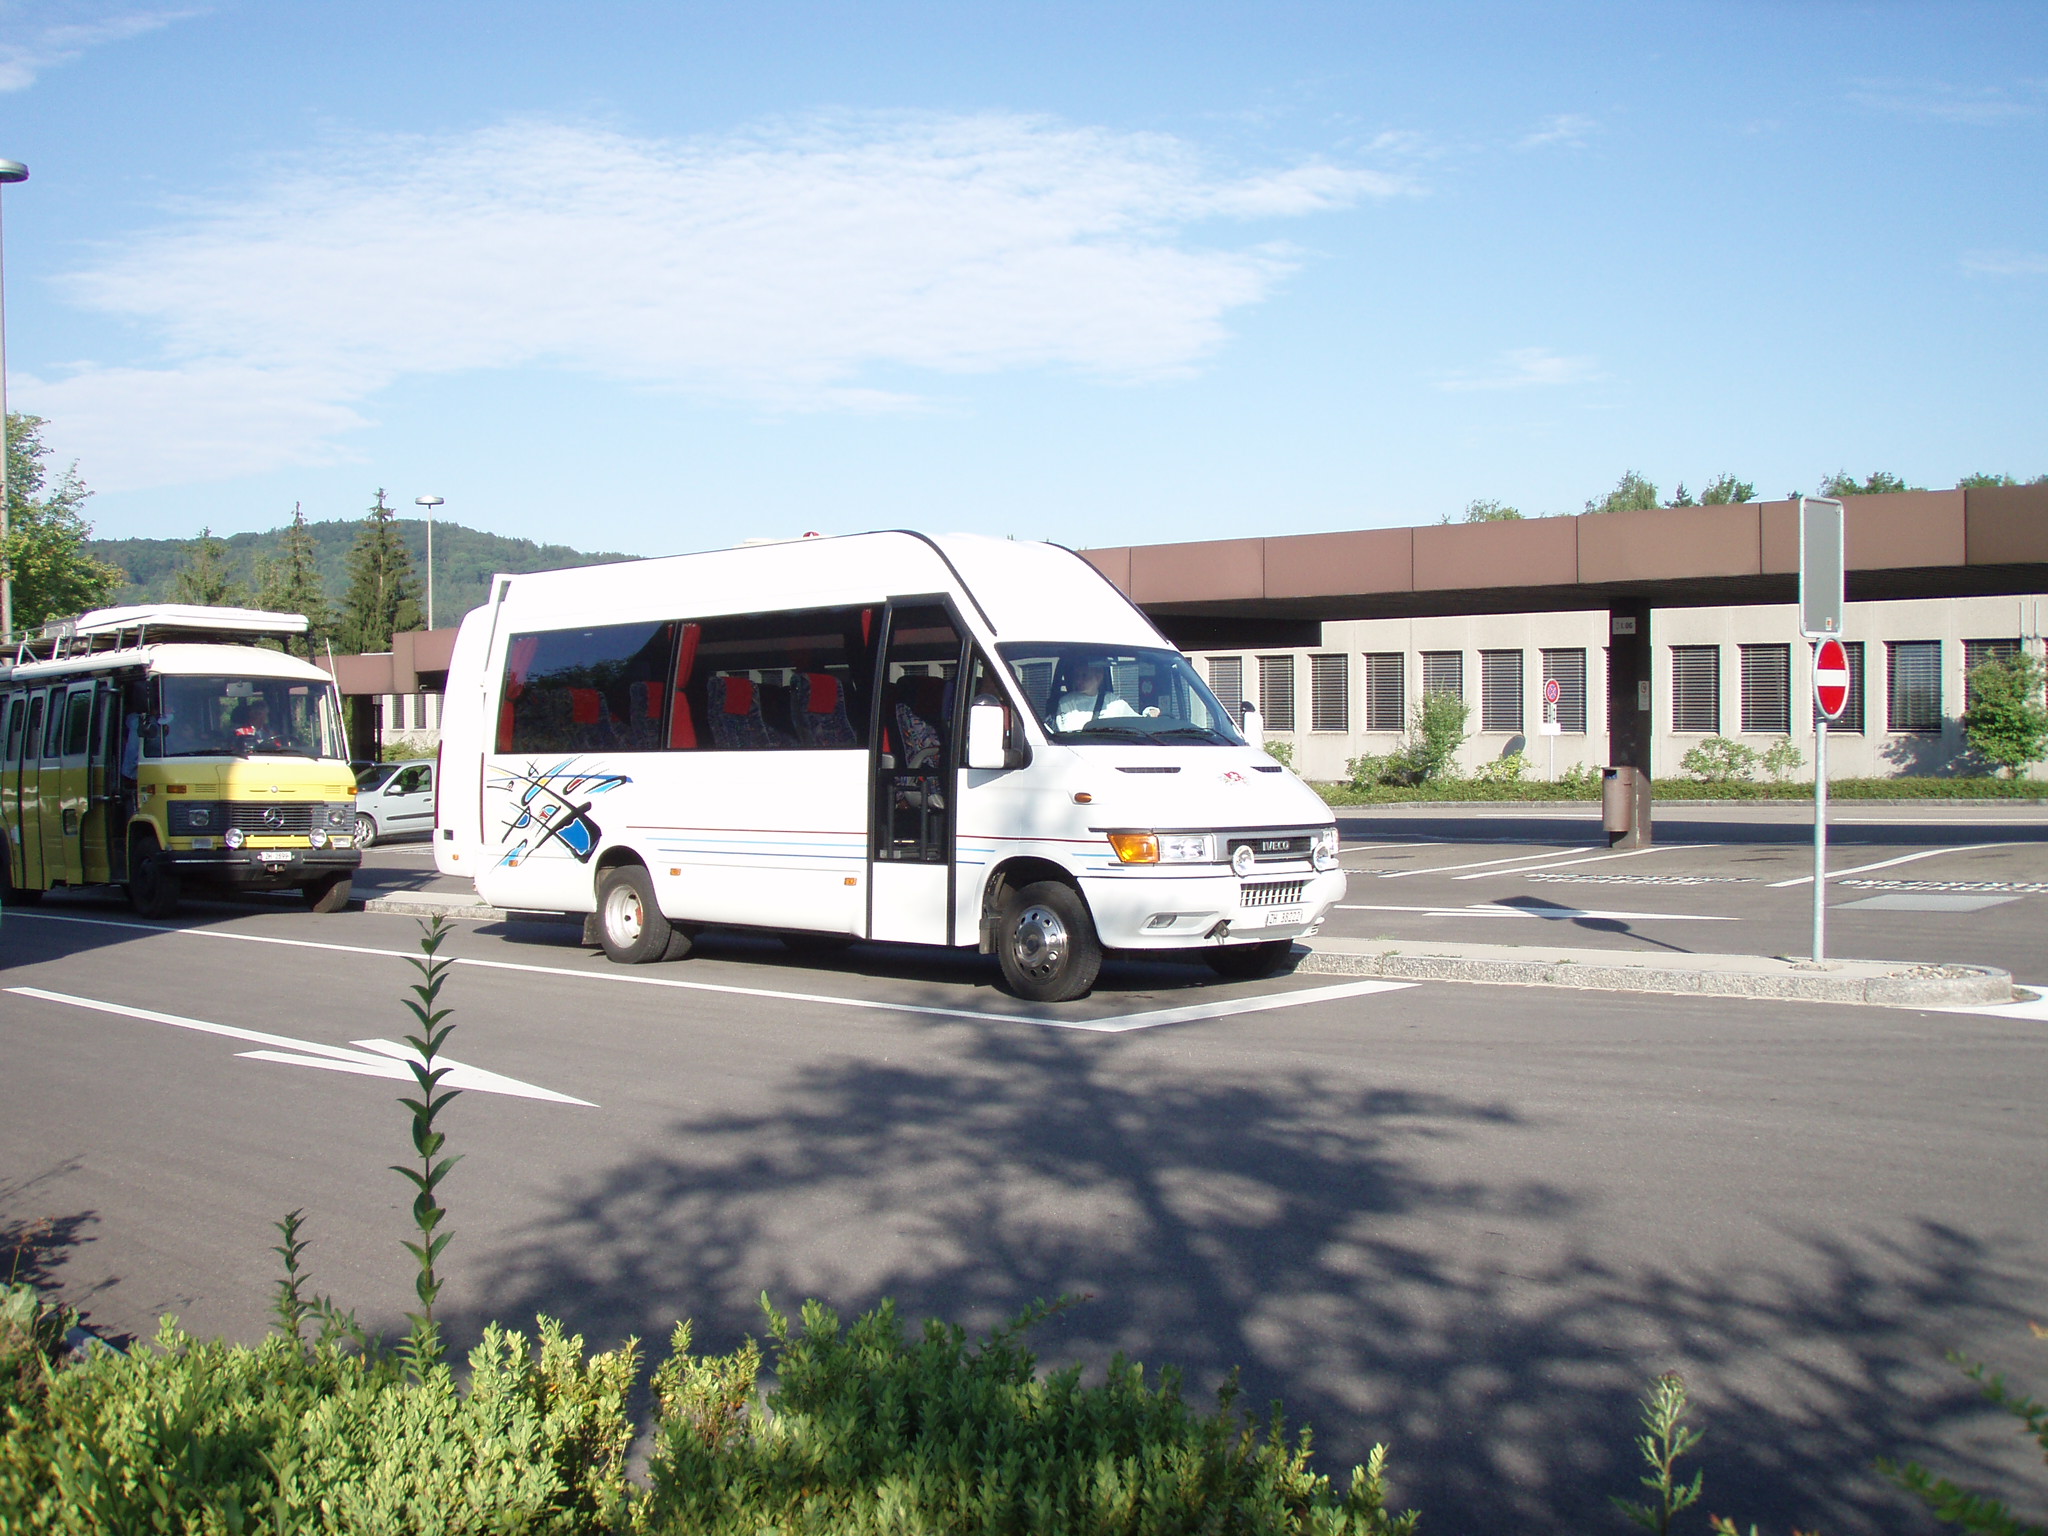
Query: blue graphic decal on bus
{"x":548,"y":812}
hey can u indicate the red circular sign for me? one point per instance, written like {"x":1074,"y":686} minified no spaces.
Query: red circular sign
{"x":1831,"y":677}
{"x":1553,"y":690}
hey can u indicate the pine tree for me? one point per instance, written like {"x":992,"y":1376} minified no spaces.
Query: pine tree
{"x":383,"y":595}
{"x":206,"y":578}
{"x":290,"y":583}
{"x":45,"y":555}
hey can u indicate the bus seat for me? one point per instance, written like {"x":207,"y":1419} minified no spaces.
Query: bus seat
{"x":736,"y":723}
{"x":776,"y":705}
{"x":643,"y":727}
{"x":820,"y":714}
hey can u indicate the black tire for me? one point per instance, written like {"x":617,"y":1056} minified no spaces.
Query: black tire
{"x":629,"y":924}
{"x":1248,"y":962}
{"x":154,"y":888}
{"x":1046,"y":943}
{"x":330,"y":893}
{"x":820,"y":945}
{"x":12,"y":895}
{"x":366,"y":830}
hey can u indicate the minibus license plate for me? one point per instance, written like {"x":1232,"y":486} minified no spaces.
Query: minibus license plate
{"x":1285,"y":917}
{"x":274,"y":855}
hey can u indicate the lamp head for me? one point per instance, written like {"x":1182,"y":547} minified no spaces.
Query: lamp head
{"x":426,"y":501}
{"x":12,"y":170}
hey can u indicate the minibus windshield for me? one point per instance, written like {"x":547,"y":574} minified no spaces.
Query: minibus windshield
{"x":245,"y":717}
{"x":1105,"y":694}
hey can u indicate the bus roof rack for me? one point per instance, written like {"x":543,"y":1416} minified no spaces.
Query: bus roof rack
{"x":107,"y":629}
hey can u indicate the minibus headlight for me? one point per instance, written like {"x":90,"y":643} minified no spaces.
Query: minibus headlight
{"x":318,"y":838}
{"x":1135,"y":847}
{"x":232,"y":837}
{"x":1184,"y":848}
{"x":1325,"y":855}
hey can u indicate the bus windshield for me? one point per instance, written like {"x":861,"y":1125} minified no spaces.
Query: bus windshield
{"x":1104,"y":694}
{"x":245,"y":717}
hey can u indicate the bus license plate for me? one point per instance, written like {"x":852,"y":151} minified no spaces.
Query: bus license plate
{"x":274,"y":855}
{"x":1286,"y":917}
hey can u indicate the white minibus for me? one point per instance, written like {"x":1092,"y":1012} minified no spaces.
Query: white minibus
{"x":931,"y":740}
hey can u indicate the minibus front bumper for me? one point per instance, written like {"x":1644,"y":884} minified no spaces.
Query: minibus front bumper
{"x":262,"y":868}
{"x":1162,"y":910}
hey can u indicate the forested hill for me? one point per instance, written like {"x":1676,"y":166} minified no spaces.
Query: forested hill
{"x":464,"y":561}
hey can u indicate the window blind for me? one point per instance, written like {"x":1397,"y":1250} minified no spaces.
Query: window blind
{"x":1276,"y":692}
{"x":1913,"y":685}
{"x":1567,"y":669}
{"x":1329,"y":693}
{"x":1386,"y":691}
{"x":1696,"y":689}
{"x":1500,"y":691}
{"x":1444,"y":672}
{"x":1767,"y":689}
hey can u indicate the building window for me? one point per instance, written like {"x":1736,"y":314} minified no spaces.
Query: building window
{"x":1913,"y":685}
{"x":1767,"y":690}
{"x":1386,"y":691}
{"x":1696,"y":689}
{"x":1329,"y":693}
{"x":1500,"y":691}
{"x":1444,"y":672}
{"x":1276,"y":692}
{"x":1226,"y":681}
{"x":1851,"y":718}
{"x":1976,"y":653}
{"x":1567,"y":669}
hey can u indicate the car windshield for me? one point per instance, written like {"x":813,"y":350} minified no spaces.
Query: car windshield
{"x":1107,"y":694}
{"x":245,"y":717}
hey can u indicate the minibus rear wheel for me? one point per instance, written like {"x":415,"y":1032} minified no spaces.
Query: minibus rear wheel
{"x":1046,"y":943}
{"x":629,"y":922}
{"x":1248,"y":962}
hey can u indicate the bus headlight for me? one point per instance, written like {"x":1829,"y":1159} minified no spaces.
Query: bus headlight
{"x":1162,"y":847}
{"x":1325,"y":855}
{"x":232,"y":837}
{"x":317,"y":838}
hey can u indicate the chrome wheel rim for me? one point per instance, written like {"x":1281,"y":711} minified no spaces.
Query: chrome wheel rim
{"x":623,"y":919}
{"x":1039,"y":942}
{"x":365,"y":829}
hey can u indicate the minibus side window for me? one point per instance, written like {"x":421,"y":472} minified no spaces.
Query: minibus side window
{"x":775,"y":682}
{"x":602,"y":689}
{"x":35,"y":729}
{"x":17,"y":717}
{"x":77,"y":722}
{"x":53,"y":726}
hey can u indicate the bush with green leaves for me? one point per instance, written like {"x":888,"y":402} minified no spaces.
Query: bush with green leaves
{"x":2007,"y":720}
{"x":1782,"y":760}
{"x":1717,"y":760}
{"x":1282,"y":752}
{"x":1509,"y":769}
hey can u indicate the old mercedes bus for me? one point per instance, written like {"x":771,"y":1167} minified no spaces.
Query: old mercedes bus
{"x":887,"y":736}
{"x":161,"y":747}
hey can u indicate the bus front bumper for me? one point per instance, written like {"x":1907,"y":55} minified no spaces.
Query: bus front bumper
{"x":261,"y":868}
{"x":1172,"y":911}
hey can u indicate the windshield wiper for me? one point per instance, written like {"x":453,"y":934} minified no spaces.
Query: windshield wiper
{"x":1094,"y":728}
{"x":1200,"y":733}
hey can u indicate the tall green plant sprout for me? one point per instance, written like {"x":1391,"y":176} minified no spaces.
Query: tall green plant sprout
{"x":422,"y":1350}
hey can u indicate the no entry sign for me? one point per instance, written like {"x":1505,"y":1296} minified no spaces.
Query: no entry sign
{"x":1831,"y":678}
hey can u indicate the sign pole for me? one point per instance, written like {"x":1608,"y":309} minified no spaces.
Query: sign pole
{"x":1820,"y":838}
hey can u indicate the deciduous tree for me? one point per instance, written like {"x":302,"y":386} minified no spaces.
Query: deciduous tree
{"x":2007,"y":722}
{"x":1631,"y":493}
{"x":54,"y":574}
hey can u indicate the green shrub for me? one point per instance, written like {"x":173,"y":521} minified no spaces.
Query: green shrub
{"x":1282,"y":752}
{"x":2006,"y":722}
{"x":1436,"y":734}
{"x":1581,"y":779}
{"x":868,"y":1432}
{"x":1955,"y":1505}
{"x":1717,"y":760}
{"x":1503,"y":770}
{"x":1783,"y":760}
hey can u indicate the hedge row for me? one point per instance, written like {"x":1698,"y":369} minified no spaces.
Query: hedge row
{"x":1474,"y":790}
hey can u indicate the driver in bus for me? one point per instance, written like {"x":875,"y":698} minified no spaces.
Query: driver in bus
{"x":251,"y":722}
{"x":1086,"y":699}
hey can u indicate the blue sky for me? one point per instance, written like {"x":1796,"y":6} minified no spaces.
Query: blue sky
{"x":662,"y":277}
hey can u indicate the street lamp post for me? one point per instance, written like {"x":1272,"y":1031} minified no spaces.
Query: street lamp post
{"x":10,"y":171}
{"x":429,"y":502}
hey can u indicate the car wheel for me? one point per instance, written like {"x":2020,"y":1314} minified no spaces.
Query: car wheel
{"x":1248,"y":962}
{"x":153,"y":885}
{"x":366,"y":830}
{"x":629,"y":923}
{"x":330,"y":893}
{"x":1046,"y":943}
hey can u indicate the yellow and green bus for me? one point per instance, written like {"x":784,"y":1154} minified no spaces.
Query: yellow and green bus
{"x":161,"y":748}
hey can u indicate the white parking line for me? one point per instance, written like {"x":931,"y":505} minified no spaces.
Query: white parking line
{"x":1115,"y":1025}
{"x":1550,"y":914}
{"x":1520,"y":858}
{"x":1573,"y":863}
{"x":1905,"y":858}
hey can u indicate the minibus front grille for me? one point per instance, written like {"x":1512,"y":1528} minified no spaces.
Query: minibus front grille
{"x":1273,"y":848}
{"x":1274,"y":893}
{"x":262,"y":818}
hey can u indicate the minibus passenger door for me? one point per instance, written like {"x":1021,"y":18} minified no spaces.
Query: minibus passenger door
{"x":28,"y":794}
{"x":102,"y":785}
{"x":16,"y":725}
{"x":911,"y":838}
{"x":73,"y":774}
{"x":50,"y":789}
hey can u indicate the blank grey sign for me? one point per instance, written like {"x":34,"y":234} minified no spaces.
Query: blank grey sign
{"x":1910,"y":901}
{"x":1820,"y":566}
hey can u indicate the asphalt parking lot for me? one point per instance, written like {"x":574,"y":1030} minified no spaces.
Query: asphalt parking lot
{"x":1473,"y":1221}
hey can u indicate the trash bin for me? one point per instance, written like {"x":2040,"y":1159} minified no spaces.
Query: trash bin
{"x":1625,"y":806}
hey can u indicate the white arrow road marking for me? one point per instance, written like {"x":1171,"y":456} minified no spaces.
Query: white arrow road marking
{"x":1116,"y":1025}
{"x":373,"y":1058}
{"x":1550,"y":914}
{"x":1908,"y":858}
{"x":1598,"y":858}
{"x":1520,"y":858}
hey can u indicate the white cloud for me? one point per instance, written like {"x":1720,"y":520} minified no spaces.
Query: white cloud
{"x":1979,"y":106}
{"x":777,"y":266}
{"x":1570,"y":129}
{"x":41,"y":36}
{"x":2006,"y":263}
{"x":1524,"y":368}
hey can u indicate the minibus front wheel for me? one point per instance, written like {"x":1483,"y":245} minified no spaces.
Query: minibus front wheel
{"x":629,"y":921}
{"x":153,"y":885}
{"x":1046,"y":943}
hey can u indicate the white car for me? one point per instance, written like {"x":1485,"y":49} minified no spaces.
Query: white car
{"x":394,"y":800}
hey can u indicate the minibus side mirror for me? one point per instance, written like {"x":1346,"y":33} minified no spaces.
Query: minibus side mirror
{"x":987,"y":726}
{"x":1254,"y":726}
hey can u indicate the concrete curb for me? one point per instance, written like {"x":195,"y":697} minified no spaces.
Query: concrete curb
{"x":1891,"y":984}
{"x":434,"y":904}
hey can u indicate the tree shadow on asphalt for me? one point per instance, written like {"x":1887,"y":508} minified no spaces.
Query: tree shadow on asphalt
{"x":1294,"y":1229}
